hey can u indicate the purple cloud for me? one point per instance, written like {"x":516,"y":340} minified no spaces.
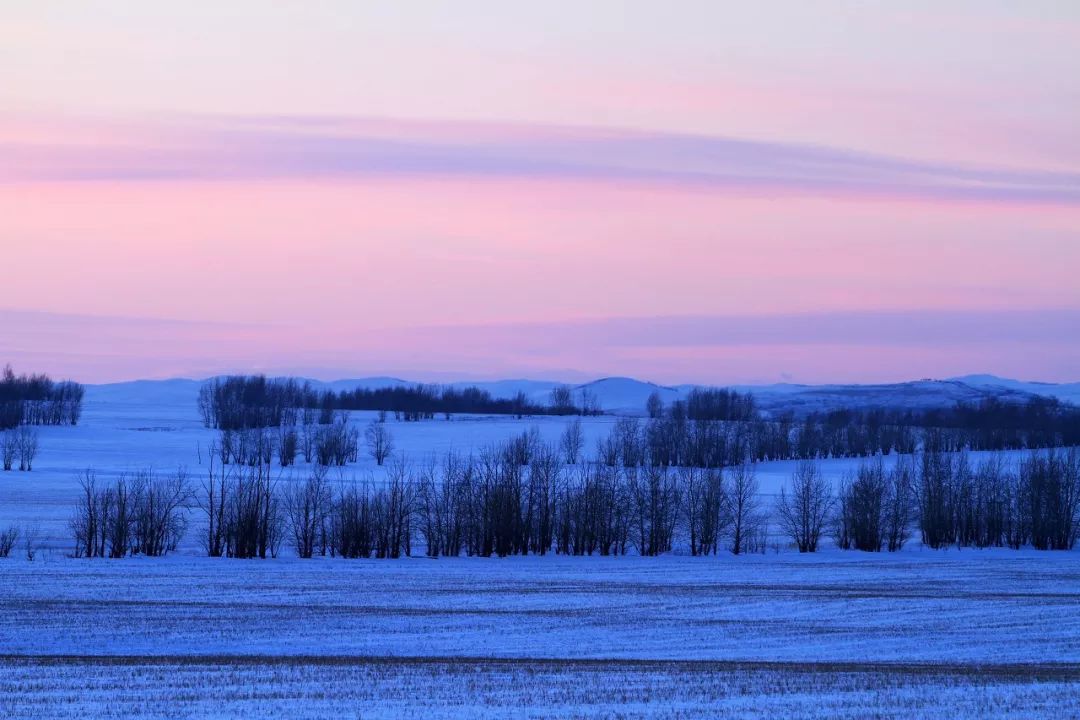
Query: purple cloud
{"x":281,"y":147}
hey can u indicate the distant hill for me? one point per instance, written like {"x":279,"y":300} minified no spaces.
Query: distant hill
{"x":623,"y":395}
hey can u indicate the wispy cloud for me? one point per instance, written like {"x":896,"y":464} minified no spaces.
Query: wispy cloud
{"x":878,"y":328}
{"x":283,"y":147}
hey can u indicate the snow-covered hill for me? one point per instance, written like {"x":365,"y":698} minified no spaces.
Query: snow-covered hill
{"x":623,"y":395}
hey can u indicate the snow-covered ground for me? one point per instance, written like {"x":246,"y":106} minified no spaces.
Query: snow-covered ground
{"x":992,"y":633}
{"x":917,"y":634}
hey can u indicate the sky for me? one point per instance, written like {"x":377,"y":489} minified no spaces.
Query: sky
{"x":694,"y":192}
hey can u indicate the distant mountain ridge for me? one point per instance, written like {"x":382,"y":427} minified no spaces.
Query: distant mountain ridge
{"x":624,"y":395}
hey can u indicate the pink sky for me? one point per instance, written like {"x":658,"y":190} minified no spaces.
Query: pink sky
{"x":181,"y":195}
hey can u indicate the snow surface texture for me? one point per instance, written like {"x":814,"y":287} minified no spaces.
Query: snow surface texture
{"x":991,"y":633}
{"x":915,"y":634}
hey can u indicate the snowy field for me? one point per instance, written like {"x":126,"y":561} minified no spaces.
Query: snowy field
{"x":967,"y":634}
{"x":915,"y":634}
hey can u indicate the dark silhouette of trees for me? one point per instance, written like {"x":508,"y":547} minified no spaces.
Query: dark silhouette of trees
{"x":26,"y":440}
{"x":863,"y":500}
{"x":380,"y":442}
{"x":572,"y":442}
{"x":707,"y":509}
{"x":8,"y":538}
{"x":806,"y":506}
{"x":654,"y":406}
{"x":38,"y":400}
{"x":308,"y":506}
{"x":562,"y":401}
{"x":9,"y":448}
{"x":746,"y":519}
{"x":140,"y":514}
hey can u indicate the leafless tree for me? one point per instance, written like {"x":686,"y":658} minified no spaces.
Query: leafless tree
{"x":899,"y":504}
{"x":89,"y":524}
{"x":213,"y":502}
{"x":254,"y":518}
{"x":707,"y":515}
{"x":1050,"y":482}
{"x":118,"y":516}
{"x":804,"y":510}
{"x":744,"y":503}
{"x":590,"y":403}
{"x":862,"y":504}
{"x":394,"y":506}
{"x":160,"y":515}
{"x":31,"y":541}
{"x":28,"y":447}
{"x":654,"y":406}
{"x":307,"y":505}
{"x":9,"y":448}
{"x":8,"y":538}
{"x":352,"y":523}
{"x":287,"y":445}
{"x":380,"y":442}
{"x":572,"y":441}
{"x":656,"y":502}
{"x":562,"y":400}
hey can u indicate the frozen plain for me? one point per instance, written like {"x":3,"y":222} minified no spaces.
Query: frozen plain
{"x":914,"y":634}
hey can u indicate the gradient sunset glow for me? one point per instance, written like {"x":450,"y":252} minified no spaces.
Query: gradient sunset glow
{"x":689,"y":193}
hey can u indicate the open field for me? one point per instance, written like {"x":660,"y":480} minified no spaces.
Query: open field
{"x":834,"y":635}
{"x":384,"y":688}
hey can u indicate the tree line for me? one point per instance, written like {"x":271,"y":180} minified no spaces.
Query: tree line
{"x":38,"y":400}
{"x":254,"y":401}
{"x":681,"y":434}
{"x":524,"y":496}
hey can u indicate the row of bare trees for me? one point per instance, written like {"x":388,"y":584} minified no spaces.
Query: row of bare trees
{"x":504,"y":502}
{"x":992,"y":504}
{"x":522,"y":497}
{"x":19,"y":444}
{"x":140,"y":514}
{"x":952,"y":501}
{"x":27,"y":537}
{"x":333,"y":443}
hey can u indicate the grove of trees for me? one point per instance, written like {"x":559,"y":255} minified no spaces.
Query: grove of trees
{"x":38,"y":400}
{"x":245,"y":402}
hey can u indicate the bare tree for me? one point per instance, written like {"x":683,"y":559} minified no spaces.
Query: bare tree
{"x":899,"y":504}
{"x":562,"y":400}
{"x":393,"y":512}
{"x":160,"y":514}
{"x":308,"y":508}
{"x":746,"y":517}
{"x":572,"y":441}
{"x":28,"y":447}
{"x":804,"y":511}
{"x":590,"y":403}
{"x":89,"y":522}
{"x":863,"y":504}
{"x":213,"y":502}
{"x":654,"y":406}
{"x":8,"y":538}
{"x":31,"y":541}
{"x":380,"y":442}
{"x":287,"y":445}
{"x":656,"y":502}
{"x":9,"y":448}
{"x":707,"y":515}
